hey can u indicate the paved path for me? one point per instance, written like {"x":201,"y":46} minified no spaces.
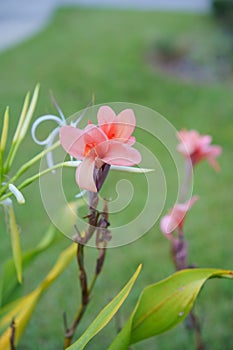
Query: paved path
{"x":20,"y":19}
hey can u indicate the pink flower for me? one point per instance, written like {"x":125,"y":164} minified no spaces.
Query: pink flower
{"x":198,"y":147}
{"x":95,"y":149}
{"x":117,"y":127}
{"x":176,"y":216}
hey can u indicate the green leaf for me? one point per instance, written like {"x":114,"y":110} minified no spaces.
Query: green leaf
{"x":22,"y":127}
{"x":105,"y":315}
{"x":9,"y":282}
{"x":21,"y":118}
{"x":15,"y":243}
{"x":163,"y":305}
{"x":4,"y":130}
{"x":21,"y":310}
{"x":3,"y":140}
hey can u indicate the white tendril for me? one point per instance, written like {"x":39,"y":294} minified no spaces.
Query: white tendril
{"x":7,"y":202}
{"x":40,"y":120}
{"x":48,"y":142}
{"x":50,"y":139}
{"x":17,"y":193}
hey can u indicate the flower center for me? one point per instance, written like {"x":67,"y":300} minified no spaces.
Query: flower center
{"x":89,"y":147}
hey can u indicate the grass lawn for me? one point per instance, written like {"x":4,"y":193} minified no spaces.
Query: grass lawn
{"x":105,"y":52}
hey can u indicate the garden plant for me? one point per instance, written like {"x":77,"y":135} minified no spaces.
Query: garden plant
{"x":98,"y":141}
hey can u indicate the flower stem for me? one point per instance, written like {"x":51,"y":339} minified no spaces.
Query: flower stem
{"x":179,"y":255}
{"x":85,"y":296}
{"x":99,"y":222}
{"x":92,"y":284}
{"x":192,"y":323}
{"x":187,"y":181}
{"x":12,"y":337}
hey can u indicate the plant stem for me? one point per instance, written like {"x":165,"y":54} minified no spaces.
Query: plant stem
{"x":187,"y":181}
{"x":12,"y":337}
{"x":27,"y":165}
{"x":92,"y":225}
{"x":97,"y":221}
{"x":197,"y":329}
{"x":85,"y":296}
{"x":92,"y":283}
{"x":179,"y":255}
{"x":86,"y":292}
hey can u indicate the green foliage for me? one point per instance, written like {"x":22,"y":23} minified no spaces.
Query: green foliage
{"x":15,"y":243}
{"x":163,"y":305}
{"x":8,"y":282}
{"x":105,"y":315}
{"x":21,"y":310}
{"x":87,"y":58}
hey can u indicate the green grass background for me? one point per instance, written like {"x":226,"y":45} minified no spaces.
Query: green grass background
{"x":105,"y":52}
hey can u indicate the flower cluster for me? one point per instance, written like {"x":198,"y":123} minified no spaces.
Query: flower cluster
{"x":108,"y":143}
{"x":198,"y":147}
{"x":195,"y":148}
{"x":176,"y":216}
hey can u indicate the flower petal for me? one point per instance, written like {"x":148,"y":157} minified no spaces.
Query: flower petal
{"x":105,"y":115}
{"x":187,"y":205}
{"x":94,"y":135}
{"x":72,"y":141}
{"x":175,"y":218}
{"x":166,"y":224}
{"x":118,"y":127}
{"x":85,"y":174}
{"x":121,"y":154}
{"x":125,"y":124}
{"x":198,"y":147}
{"x":131,"y":141}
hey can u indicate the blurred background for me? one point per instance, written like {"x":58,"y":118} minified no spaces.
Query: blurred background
{"x":174,"y":56}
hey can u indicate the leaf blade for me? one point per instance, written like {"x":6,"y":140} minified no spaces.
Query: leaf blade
{"x":21,"y":310}
{"x":105,"y":315}
{"x":163,"y":305}
{"x":15,"y":243}
{"x":8,"y":281}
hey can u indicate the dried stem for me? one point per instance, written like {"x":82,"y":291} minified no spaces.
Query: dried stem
{"x":195,"y":325}
{"x":85,"y":297}
{"x":12,"y":337}
{"x":96,"y":221}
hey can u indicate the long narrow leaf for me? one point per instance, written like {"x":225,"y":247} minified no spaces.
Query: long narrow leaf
{"x":21,"y":118}
{"x":105,"y":315}
{"x":30,"y":112}
{"x":24,"y":121}
{"x":3,"y":140}
{"x":15,"y":243}
{"x":8,"y":281}
{"x":17,"y":132}
{"x":64,"y":259}
{"x":4,"y":130}
{"x":21,"y":310}
{"x":163,"y":305}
